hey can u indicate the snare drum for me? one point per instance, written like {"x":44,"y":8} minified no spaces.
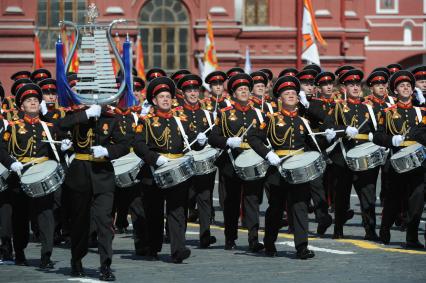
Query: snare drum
{"x":42,"y":179}
{"x":250,"y":166}
{"x":408,"y":158}
{"x":303,"y":168}
{"x":174,"y":172}
{"x":4,"y":174}
{"x":126,"y":169}
{"x":366,"y":156}
{"x":204,"y":160}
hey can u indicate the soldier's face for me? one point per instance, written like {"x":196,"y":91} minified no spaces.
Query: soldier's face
{"x":421,"y":84}
{"x":217,"y":89}
{"x":353,"y":90}
{"x":327,"y":89}
{"x":259,"y":89}
{"x":404,"y":90}
{"x":242,"y":93}
{"x":49,"y":98}
{"x":307,"y":87}
{"x":378,"y":89}
{"x":192,"y":95}
{"x":31,"y":105}
{"x":163,"y":100}
{"x":268,"y":86}
{"x":289,"y":98}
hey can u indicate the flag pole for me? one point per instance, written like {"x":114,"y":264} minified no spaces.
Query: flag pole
{"x":299,"y":42}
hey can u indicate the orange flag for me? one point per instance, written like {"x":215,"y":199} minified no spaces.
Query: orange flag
{"x":116,"y":65}
{"x":140,"y":65}
{"x":74,"y":62}
{"x":38,"y":61}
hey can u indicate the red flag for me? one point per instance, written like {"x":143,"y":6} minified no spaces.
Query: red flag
{"x":38,"y":61}
{"x":74,"y":62}
{"x":140,"y":65}
{"x":116,"y":65}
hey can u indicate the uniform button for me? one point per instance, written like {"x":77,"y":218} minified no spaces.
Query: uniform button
{"x":167,"y":119}
{"x":168,"y":124}
{"x":33,"y":125}
{"x":195,"y":122}
{"x":171,"y":142}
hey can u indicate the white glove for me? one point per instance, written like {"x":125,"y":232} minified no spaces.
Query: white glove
{"x":419,"y":95}
{"x":233,"y":142}
{"x":43,"y":107}
{"x":94,"y":111}
{"x":273,"y":158}
{"x":370,"y":137}
{"x":16,"y":166}
{"x":351,"y":132}
{"x":397,"y":140}
{"x":99,"y":151}
{"x":161,"y":160}
{"x":330,"y":134}
{"x":146,"y":107}
{"x":303,"y":99}
{"x":201,"y":138}
{"x":66,"y":144}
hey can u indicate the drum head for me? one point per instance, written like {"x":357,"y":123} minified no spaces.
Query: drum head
{"x":248,"y":158}
{"x":300,"y":160}
{"x":406,"y":150}
{"x":126,"y":163}
{"x":203,"y":154}
{"x":39,"y":172}
{"x":172,"y":163}
{"x":362,"y":150}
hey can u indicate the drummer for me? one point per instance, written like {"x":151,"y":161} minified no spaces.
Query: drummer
{"x":217,"y":99}
{"x":286,"y":132}
{"x":268,"y":87}
{"x":158,"y":140}
{"x":258,"y":98}
{"x":231,"y":123}
{"x":25,"y":143}
{"x":348,"y":116}
{"x":400,"y":126}
{"x":198,"y":121}
{"x":176,"y":76}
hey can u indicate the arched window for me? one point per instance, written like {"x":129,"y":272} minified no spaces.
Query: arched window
{"x":50,"y":12}
{"x":256,"y":12}
{"x":408,"y":34}
{"x":164,"y":29}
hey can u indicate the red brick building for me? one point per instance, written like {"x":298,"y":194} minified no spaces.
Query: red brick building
{"x":364,"y":33}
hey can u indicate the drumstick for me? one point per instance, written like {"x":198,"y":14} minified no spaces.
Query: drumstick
{"x":284,"y":158}
{"x":32,"y":162}
{"x":246,"y":131}
{"x":58,"y":142}
{"x":208,"y":129}
{"x":360,"y":126}
{"x":323,"y":133}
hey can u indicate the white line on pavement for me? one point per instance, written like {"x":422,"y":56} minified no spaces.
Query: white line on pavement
{"x":84,"y":280}
{"x":291,"y":244}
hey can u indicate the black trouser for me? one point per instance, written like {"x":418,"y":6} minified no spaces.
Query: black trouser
{"x":297,"y":198}
{"x":201,"y":190}
{"x":122,"y":199}
{"x":364,"y":183}
{"x":235,"y":189}
{"x":153,"y":202}
{"x":319,"y":198}
{"x":83,"y":204}
{"x":406,"y":187}
{"x":6,"y":221}
{"x":137,"y":212}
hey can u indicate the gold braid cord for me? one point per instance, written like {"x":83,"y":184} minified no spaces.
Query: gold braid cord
{"x":161,"y":141}
{"x":391,"y":127}
{"x":14,"y":148}
{"x":271,"y":132}
{"x":86,"y":141}
{"x":227,"y":132}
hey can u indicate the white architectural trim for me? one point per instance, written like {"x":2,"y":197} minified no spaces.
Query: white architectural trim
{"x":114,"y":10}
{"x":351,"y":14}
{"x":239,"y":10}
{"x":408,"y":34}
{"x":388,"y":17}
{"x":396,"y":24}
{"x":395,"y":10}
{"x":322,"y":13}
{"x":390,"y":42}
{"x":267,"y":28}
{"x":392,"y":48}
{"x":424,"y":6}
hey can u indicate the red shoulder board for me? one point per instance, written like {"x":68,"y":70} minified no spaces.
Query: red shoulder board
{"x":226,"y":108}
{"x":390,"y":108}
{"x":136,"y":108}
{"x":178,"y":108}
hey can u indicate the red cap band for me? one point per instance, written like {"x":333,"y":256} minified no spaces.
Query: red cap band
{"x":378,"y":78}
{"x":306,"y":77}
{"x":160,"y":86}
{"x":49,"y":86}
{"x":420,"y":73}
{"x":155,"y":75}
{"x":352,"y":78}
{"x":258,"y":78}
{"x":27,"y":92}
{"x":217,"y":78}
{"x":286,"y":84}
{"x":190,"y":82}
{"x":393,"y":70}
{"x":177,"y":77}
{"x":19,"y":86}
{"x":21,"y":77}
{"x":325,"y":78}
{"x":40,"y":75}
{"x":240,"y":81}
{"x":401,"y":78}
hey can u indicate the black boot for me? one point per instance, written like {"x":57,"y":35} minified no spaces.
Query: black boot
{"x":20,"y":258}
{"x":6,"y":250}
{"x":207,"y":240}
{"x":371,"y":235}
{"x":230,"y":245}
{"x":255,"y":246}
{"x":270,"y":249}
{"x":338,"y":232}
{"x":106,"y":274}
{"x":385,"y":235}
{"x":181,"y":255}
{"x":45,"y":262}
{"x":77,"y":269}
{"x":304,"y":253}
{"x":323,"y":225}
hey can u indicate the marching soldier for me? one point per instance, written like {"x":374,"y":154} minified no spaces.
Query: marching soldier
{"x":40,"y":74}
{"x":90,"y":182}
{"x":286,"y":132}
{"x":234,"y":71}
{"x":348,"y":116}
{"x":218,"y":99}
{"x":258,"y":98}
{"x":231,"y":124}
{"x":198,"y":121}
{"x":268,"y":87}
{"x":288,"y":72}
{"x":306,"y":78}
{"x":393,"y":68}
{"x":420,"y":88}
{"x":399,"y":126}
{"x":176,"y":76}
{"x":158,"y":140}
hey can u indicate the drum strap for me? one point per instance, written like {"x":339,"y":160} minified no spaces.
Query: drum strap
{"x":185,"y":137}
{"x":419,"y":114}
{"x":135,"y":117}
{"x":391,"y":100}
{"x":228,"y":103}
{"x":209,"y":120}
{"x":310,"y":132}
{"x":271,"y":110}
{"x":260,"y":117}
{"x":373,"y":117}
{"x":342,"y":147}
{"x":49,"y":137}
{"x":5,"y":124}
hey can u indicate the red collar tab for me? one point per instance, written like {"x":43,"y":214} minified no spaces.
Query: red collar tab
{"x":242,"y":107}
{"x":291,"y":114}
{"x":404,"y":105}
{"x":166,"y":115}
{"x":30,"y":120}
{"x":191,"y":107}
{"x":354,"y":101}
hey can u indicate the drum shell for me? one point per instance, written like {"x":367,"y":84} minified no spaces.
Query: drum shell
{"x":368,"y":161}
{"x":252,"y":172}
{"x":45,"y":186}
{"x":410,"y":161}
{"x":304,"y":174}
{"x":129,"y":178}
{"x":175,"y":175}
{"x":205,"y":166}
{"x":4,"y":174}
